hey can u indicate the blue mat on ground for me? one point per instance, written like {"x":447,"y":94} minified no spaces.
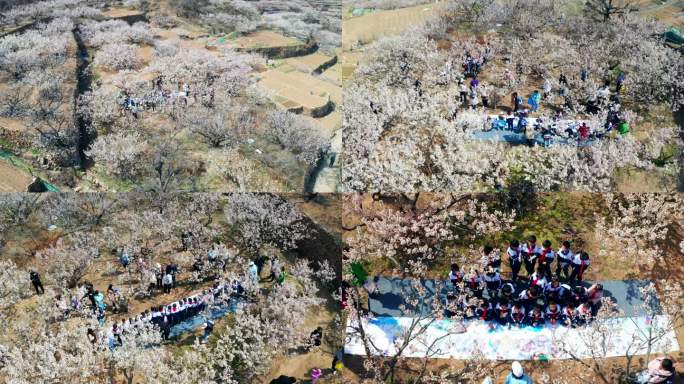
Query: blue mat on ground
{"x":197,"y":321}
{"x":519,"y":138}
{"x":394,"y":295}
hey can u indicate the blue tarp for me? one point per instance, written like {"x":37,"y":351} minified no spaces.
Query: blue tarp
{"x":519,"y":138}
{"x":198,"y":320}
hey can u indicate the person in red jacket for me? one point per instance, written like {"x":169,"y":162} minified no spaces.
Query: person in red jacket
{"x":583,"y":131}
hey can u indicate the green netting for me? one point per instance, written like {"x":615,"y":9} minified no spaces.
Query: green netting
{"x":50,"y":187}
{"x":222,"y":39}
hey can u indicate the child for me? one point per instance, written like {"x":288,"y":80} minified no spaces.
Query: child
{"x":580,"y":263}
{"x":546,"y":258}
{"x":569,"y":317}
{"x":514,"y":259}
{"x":471,"y":308}
{"x":565,"y":257}
{"x":517,"y":316}
{"x":553,"y":312}
{"x":492,"y":257}
{"x":554,"y":290}
{"x":510,"y":118}
{"x":536,"y":317}
{"x":455,"y":275}
{"x":530,"y":296}
{"x":538,"y":278}
{"x":472,"y":281}
{"x":451,"y":305}
{"x":530,"y":252}
{"x":594,"y":295}
{"x":492,"y":279}
{"x":584,"y":312}
{"x":507,"y":292}
{"x":578,"y":296}
{"x":485,"y":312}
{"x":503,"y":309}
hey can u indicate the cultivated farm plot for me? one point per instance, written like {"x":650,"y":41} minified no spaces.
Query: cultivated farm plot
{"x":295,"y":89}
{"x":263,"y":39}
{"x":333,"y":74}
{"x":308,"y":63}
{"x":668,"y":11}
{"x":12,"y":179}
{"x":375,"y":25}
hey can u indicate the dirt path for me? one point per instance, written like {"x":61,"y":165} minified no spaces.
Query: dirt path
{"x":327,"y":179}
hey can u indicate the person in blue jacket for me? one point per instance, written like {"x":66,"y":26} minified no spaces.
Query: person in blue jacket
{"x":517,"y":375}
{"x":534,"y":100}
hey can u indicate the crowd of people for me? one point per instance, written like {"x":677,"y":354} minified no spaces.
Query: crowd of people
{"x":541,"y":298}
{"x":474,"y":93}
{"x":548,"y":128}
{"x":166,"y":316}
{"x":160,"y":96}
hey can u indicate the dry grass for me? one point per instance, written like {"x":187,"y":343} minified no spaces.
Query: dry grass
{"x":263,"y":39}
{"x":370,"y":27}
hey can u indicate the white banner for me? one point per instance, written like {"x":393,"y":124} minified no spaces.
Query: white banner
{"x":447,"y":339}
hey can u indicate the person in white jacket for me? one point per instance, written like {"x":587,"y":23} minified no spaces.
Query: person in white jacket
{"x":547,"y":89}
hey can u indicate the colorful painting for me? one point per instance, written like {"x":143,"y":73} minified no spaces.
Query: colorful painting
{"x":449,"y":339}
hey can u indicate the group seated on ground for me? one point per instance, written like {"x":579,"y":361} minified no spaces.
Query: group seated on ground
{"x":556,"y":127}
{"x":544,"y":299}
{"x":165,"y":317}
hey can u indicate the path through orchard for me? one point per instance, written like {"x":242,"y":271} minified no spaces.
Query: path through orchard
{"x":310,"y":84}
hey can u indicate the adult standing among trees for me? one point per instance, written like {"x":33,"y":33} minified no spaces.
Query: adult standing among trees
{"x":208,"y":329}
{"x":275,"y":268}
{"x":37,"y":284}
{"x":660,"y":371}
{"x":463,"y":91}
{"x":167,"y":282}
{"x":484,"y":93}
{"x":547,"y":89}
{"x":517,"y":375}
